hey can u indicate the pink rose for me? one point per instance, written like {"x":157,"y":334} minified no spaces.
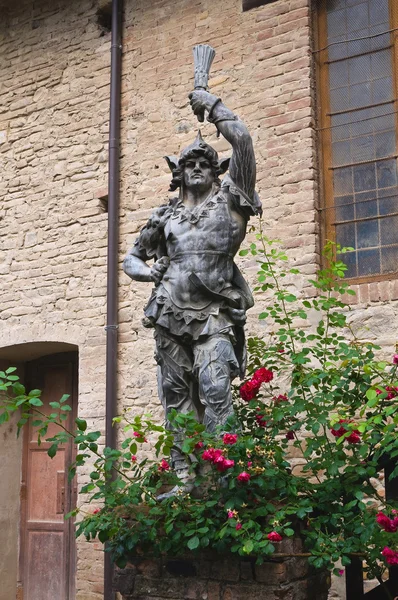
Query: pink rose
{"x":133,"y":458}
{"x":391,"y":556}
{"x":389,"y":525}
{"x":223,"y":464}
{"x":230,"y":439}
{"x":395,"y":359}
{"x":211,"y":454}
{"x":199,"y":445}
{"x":238,"y":526}
{"x":244,"y":477}
{"x":274,"y":537}
{"x":229,"y":463}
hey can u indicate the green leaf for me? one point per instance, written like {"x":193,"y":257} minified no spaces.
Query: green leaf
{"x":52,"y":451}
{"x":248,"y":547}
{"x":193,"y":542}
{"x":11,"y":370}
{"x":103,"y":536}
{"x":371,"y":394}
{"x":4,"y":417}
{"x":186,"y":446}
{"x":35,"y":401}
{"x":81,"y":424}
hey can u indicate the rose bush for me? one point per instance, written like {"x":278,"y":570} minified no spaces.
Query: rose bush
{"x":315,"y":420}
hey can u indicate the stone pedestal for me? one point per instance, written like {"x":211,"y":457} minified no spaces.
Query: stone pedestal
{"x":215,"y":577}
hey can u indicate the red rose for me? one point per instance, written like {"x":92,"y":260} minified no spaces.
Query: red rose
{"x":244,"y":477}
{"x":290,"y":435}
{"x":353,"y":438}
{"x":164,"y":466}
{"x":263,"y":375}
{"x":274,"y":537}
{"x":199,"y":445}
{"x":280,"y":398}
{"x":238,"y":526}
{"x":133,"y":458}
{"x":249,"y":390}
{"x":261,"y":421}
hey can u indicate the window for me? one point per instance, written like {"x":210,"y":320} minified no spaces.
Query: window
{"x":358,"y":55}
{"x":248,"y":4}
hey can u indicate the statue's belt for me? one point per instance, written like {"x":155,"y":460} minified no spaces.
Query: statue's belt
{"x":202,"y":287}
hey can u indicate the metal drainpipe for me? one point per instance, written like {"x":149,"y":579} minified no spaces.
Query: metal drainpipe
{"x":113,"y":249}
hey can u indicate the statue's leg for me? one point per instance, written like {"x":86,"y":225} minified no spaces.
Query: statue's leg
{"x":176,"y":387}
{"x":215,"y":365}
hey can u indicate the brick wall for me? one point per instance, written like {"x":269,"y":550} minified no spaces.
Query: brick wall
{"x":54,"y":102}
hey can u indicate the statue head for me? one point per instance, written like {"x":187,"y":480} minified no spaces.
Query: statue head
{"x":198,"y":157}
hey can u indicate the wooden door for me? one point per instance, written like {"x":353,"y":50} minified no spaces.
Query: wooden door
{"x":47,"y":550}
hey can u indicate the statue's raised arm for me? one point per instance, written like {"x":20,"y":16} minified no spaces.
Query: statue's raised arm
{"x":242,"y":167}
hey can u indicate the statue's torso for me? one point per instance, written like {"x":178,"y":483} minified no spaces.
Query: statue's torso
{"x":204,"y":242}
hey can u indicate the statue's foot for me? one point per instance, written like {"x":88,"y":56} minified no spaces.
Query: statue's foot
{"x":177,"y":490}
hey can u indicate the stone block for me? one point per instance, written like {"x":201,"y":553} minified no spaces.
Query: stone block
{"x":272,"y":573}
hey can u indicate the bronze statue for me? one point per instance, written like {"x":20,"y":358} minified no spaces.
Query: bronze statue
{"x":199,"y":302}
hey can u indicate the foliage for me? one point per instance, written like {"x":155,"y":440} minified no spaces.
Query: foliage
{"x":316,"y":393}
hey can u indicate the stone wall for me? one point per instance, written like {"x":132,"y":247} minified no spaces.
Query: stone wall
{"x":54,"y":103}
{"x":227,"y":578}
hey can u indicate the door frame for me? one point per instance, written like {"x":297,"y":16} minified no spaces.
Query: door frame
{"x":31,"y":371}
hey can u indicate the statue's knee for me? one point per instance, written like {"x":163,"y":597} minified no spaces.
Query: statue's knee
{"x":215,"y":383}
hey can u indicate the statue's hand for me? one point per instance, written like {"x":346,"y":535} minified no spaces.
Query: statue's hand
{"x":238,"y":316}
{"x":201,"y":100}
{"x":158,"y":269}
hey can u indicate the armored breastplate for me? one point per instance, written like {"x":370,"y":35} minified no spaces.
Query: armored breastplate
{"x":201,"y":241}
